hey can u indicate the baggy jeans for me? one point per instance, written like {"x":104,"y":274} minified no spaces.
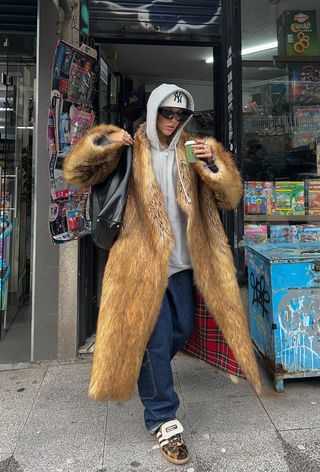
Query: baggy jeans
{"x":171,"y":332}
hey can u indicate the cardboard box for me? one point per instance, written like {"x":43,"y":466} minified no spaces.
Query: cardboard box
{"x":313,"y":196}
{"x":256,"y":234}
{"x":304,"y":83}
{"x":259,"y":198}
{"x":310,"y":233}
{"x":280,"y":234}
{"x":290,"y":198}
{"x":297,"y":33}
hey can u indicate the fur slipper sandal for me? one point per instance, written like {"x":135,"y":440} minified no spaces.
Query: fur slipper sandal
{"x":171,"y":443}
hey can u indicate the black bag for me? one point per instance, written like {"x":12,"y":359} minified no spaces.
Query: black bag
{"x":109,"y":201}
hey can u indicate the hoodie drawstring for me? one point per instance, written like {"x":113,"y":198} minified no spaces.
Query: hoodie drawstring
{"x":179,"y":173}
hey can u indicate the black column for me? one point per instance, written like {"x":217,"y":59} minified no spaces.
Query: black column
{"x":232,"y":115}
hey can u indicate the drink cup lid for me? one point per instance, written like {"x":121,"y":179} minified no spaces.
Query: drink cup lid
{"x":189,"y":142}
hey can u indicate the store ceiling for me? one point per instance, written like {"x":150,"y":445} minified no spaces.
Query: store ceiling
{"x":176,"y":62}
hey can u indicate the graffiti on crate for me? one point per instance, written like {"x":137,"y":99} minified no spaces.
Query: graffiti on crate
{"x":261,"y":296}
{"x":154,"y":16}
{"x":299,"y":319}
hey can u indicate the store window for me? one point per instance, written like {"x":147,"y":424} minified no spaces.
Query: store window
{"x":281,"y":168}
{"x":17,"y":77}
{"x":281,"y":120}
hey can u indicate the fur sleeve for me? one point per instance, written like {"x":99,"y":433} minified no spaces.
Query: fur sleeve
{"x":93,"y":158}
{"x":225,"y":179}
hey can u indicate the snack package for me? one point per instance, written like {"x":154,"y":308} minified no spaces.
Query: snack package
{"x":297,"y":33}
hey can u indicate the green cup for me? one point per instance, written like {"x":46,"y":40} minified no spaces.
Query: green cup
{"x":190,"y":156}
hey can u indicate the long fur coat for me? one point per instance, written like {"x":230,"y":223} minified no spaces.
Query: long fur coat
{"x":135,"y":277}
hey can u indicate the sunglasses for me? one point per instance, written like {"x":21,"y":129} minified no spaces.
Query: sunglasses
{"x":169,"y":115}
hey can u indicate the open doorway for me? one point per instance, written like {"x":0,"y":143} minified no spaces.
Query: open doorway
{"x":129,"y":73}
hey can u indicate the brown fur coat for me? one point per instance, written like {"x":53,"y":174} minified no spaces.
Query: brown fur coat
{"x":135,"y":277}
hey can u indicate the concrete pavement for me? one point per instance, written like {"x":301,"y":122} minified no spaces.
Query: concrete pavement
{"x":48,"y":424}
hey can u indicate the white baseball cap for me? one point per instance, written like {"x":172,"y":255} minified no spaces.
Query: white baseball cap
{"x":176,"y":100}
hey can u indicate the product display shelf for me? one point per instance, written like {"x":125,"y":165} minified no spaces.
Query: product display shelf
{"x":284,"y":59}
{"x":282,"y":218}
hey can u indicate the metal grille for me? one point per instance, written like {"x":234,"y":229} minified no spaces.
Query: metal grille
{"x":18,"y":16}
{"x":158,"y":19}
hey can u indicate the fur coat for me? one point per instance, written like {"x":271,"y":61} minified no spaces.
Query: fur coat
{"x":135,"y":277}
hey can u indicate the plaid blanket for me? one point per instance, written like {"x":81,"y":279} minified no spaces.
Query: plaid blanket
{"x":208,"y":343}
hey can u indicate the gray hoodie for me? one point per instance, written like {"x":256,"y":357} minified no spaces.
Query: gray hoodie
{"x":167,"y":171}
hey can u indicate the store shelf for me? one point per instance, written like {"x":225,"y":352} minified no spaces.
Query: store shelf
{"x":279,"y":218}
{"x":282,"y":59}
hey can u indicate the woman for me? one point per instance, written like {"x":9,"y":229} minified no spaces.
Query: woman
{"x":171,"y":239}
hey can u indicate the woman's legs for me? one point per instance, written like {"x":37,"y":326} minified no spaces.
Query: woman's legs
{"x":173,"y":327}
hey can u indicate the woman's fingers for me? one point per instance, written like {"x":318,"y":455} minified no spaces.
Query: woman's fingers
{"x":121,"y":136}
{"x":127,"y":139}
{"x":202,"y":150}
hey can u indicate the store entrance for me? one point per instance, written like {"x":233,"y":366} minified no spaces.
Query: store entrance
{"x":129,"y":73}
{"x":17,"y":72}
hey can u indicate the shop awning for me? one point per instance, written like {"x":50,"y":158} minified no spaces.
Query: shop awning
{"x":157,"y":19}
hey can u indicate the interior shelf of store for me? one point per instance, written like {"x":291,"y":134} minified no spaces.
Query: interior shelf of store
{"x":285,"y":218}
{"x":283,"y":59}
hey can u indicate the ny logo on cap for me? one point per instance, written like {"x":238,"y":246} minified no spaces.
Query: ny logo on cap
{"x":178,"y":97}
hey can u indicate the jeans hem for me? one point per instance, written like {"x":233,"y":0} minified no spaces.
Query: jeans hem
{"x":154,"y":428}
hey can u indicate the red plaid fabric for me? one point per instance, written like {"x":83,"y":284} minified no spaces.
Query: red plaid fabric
{"x":208,"y":343}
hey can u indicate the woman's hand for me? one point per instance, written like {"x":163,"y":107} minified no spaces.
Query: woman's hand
{"x":121,"y":137}
{"x":201,"y":150}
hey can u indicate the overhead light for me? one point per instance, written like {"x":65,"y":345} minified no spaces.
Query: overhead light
{"x":6,"y":109}
{"x":24,"y":127}
{"x":260,"y":48}
{"x":252,"y":50}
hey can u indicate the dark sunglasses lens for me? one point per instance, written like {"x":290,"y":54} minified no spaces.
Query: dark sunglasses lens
{"x":168,"y":114}
{"x":182,"y":116}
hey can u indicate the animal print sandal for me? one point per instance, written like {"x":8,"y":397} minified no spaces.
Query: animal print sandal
{"x":171,"y":443}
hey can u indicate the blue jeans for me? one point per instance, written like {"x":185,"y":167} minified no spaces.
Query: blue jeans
{"x":171,"y":332}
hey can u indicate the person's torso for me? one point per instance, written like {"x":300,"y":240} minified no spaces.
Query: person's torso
{"x":165,"y":169}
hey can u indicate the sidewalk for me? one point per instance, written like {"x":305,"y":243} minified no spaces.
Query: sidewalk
{"x":48,"y":424}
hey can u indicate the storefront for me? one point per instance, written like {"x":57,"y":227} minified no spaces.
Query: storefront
{"x":281,"y":120}
{"x":260,"y":101}
{"x":141,"y":46}
{"x":17,"y":71}
{"x":272,"y":127}
{"x":29,"y":263}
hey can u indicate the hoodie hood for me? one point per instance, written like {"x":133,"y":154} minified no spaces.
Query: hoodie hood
{"x":157,"y":96}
